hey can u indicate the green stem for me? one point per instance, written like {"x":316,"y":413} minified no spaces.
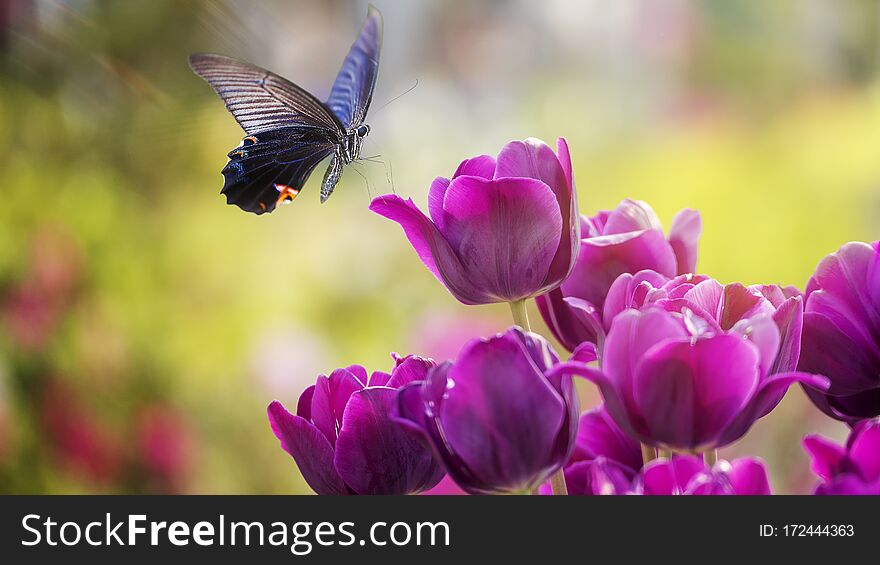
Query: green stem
{"x":557,"y":483}
{"x":710,"y":457}
{"x":520,"y":315}
{"x":649,"y":453}
{"x":521,"y":319}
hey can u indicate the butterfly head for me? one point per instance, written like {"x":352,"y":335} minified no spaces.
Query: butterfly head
{"x":353,"y":143}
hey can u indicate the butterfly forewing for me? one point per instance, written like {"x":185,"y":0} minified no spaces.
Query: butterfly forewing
{"x":353,"y":89}
{"x":259,"y":99}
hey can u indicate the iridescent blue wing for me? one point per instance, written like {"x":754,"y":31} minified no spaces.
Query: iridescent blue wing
{"x":271,"y":167}
{"x":353,"y":90}
{"x":259,"y":99}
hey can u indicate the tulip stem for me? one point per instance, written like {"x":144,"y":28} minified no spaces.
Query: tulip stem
{"x":710,"y":457}
{"x":557,"y":483}
{"x":649,"y":453}
{"x":520,"y":315}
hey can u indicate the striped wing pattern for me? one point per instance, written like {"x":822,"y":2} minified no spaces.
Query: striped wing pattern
{"x":259,"y":99}
{"x":353,"y":89}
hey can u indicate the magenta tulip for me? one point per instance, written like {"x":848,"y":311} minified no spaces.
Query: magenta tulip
{"x":500,"y":230}
{"x":841,"y":338}
{"x":500,"y":417}
{"x":342,"y":437}
{"x":690,"y":475}
{"x":853,"y":468}
{"x":678,"y":380}
{"x":627,"y":239}
{"x":604,"y":461}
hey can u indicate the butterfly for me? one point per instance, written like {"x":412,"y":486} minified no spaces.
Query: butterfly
{"x":289,"y":131}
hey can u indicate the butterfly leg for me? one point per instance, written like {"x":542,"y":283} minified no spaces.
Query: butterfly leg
{"x":331,"y":177}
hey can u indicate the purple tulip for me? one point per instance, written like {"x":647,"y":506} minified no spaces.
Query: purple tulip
{"x":343,"y":439}
{"x":501,"y":418}
{"x":501,"y":230}
{"x":685,"y":474}
{"x":627,"y":239}
{"x":725,"y":308}
{"x":678,"y":380}
{"x":853,"y":468}
{"x":604,"y":461}
{"x":841,"y":338}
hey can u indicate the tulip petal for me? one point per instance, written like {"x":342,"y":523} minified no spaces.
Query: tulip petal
{"x":632,"y":334}
{"x":587,"y":317}
{"x":769,"y":394}
{"x":864,"y":451}
{"x":431,"y":247}
{"x":532,"y":158}
{"x":480,"y":417}
{"x":684,"y":237}
{"x":436,"y":194}
{"x":826,"y":350}
{"x":359,"y":373}
{"x":482,"y":166}
{"x":597,"y":477}
{"x":598,"y":436}
{"x":789,"y":318}
{"x":747,"y":476}
{"x":309,"y":448}
{"x":602,"y":259}
{"x":666,"y":477}
{"x":585,"y":353}
{"x":825,"y":456}
{"x":741,"y":303}
{"x":632,"y":291}
{"x":304,"y":404}
{"x":379,"y":378}
{"x":846,"y":274}
{"x":564,"y":324}
{"x":632,"y":215}
{"x":537,"y":347}
{"x":688,"y":392}
{"x":322,"y":409}
{"x":764,"y":334}
{"x":629,"y":422}
{"x":505,"y":232}
{"x":374,"y":455}
{"x":417,"y":409}
{"x":411,"y":368}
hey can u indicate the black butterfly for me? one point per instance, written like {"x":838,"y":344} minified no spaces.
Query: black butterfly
{"x":289,"y":130}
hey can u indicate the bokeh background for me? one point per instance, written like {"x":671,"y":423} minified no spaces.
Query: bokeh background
{"x":145,"y":325}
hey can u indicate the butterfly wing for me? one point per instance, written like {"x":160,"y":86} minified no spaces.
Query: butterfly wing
{"x":273,"y":166}
{"x":353,"y":89}
{"x":259,"y":99}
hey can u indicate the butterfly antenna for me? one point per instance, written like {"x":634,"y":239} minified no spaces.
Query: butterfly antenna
{"x":407,"y":91}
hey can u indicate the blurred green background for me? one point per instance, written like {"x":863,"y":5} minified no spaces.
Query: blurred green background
{"x":145,"y":325}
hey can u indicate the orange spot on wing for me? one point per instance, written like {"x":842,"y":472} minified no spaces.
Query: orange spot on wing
{"x":285,"y":193}
{"x":262,"y":206}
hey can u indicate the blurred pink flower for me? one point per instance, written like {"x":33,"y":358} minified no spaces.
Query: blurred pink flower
{"x":83,"y":447}
{"x":164,"y":443}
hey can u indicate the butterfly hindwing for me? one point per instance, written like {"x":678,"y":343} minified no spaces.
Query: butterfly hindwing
{"x":269,"y":167}
{"x":353,"y":89}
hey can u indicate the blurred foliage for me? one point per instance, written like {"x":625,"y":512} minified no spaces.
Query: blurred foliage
{"x":147,"y":325}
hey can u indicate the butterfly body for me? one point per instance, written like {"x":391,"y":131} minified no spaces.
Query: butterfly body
{"x":290,"y":132}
